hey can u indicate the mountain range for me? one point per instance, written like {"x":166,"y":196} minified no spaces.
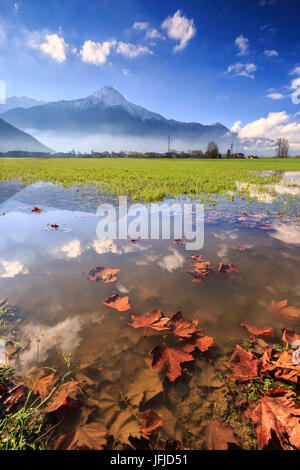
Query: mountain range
{"x":19,"y":102}
{"x":108,"y":113}
{"x":12,"y":139}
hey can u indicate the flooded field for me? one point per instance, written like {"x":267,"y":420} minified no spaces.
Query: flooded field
{"x":49,"y":247}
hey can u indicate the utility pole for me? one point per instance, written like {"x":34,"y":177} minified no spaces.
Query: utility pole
{"x":231,"y":146}
{"x":169,"y":143}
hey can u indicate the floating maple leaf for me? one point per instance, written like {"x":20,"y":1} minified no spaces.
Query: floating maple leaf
{"x":179,"y":241}
{"x":151,"y":422}
{"x":185,"y":329}
{"x":279,"y":414}
{"x":119,"y":303}
{"x":201,"y":268}
{"x":172,"y":359}
{"x":68,"y":395}
{"x":227,"y":268}
{"x":153,"y":320}
{"x":99,"y":273}
{"x":257,"y":330}
{"x":282,"y":309}
{"x":199,"y":341}
{"x":243,"y":364}
{"x":37,"y":210}
{"x":218,"y":436}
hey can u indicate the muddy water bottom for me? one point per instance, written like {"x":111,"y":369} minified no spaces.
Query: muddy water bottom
{"x":43,"y":274}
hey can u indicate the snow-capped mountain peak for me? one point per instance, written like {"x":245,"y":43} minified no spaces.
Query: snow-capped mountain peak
{"x":108,"y":96}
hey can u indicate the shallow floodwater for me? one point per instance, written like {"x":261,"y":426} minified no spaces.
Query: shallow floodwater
{"x":43,"y":274}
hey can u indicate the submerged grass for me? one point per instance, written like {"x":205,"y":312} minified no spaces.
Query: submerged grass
{"x":153,"y":180}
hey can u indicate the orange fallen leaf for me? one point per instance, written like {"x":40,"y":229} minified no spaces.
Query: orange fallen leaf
{"x":227,"y":268}
{"x":151,"y":422}
{"x":243,"y":364}
{"x":37,"y":210}
{"x":99,"y":273}
{"x":68,"y":395}
{"x":171,"y":359}
{"x":218,"y":436}
{"x":199,"y":341}
{"x":119,"y":303}
{"x":179,"y":241}
{"x":277,"y":414}
{"x":153,"y":320}
{"x":201,"y":268}
{"x":257,"y":330}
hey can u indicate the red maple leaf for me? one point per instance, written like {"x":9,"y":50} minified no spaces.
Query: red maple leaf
{"x":37,"y":210}
{"x":151,"y":421}
{"x":279,"y":414}
{"x":119,"y":303}
{"x":201,"y":268}
{"x":257,"y":330}
{"x":170,"y":358}
{"x":99,"y":273}
{"x":154,"y":320}
{"x":243,"y":364}
{"x":227,"y":268}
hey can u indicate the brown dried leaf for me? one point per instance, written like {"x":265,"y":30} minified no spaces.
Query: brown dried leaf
{"x":257,"y":330}
{"x":243,"y":364}
{"x":119,"y":303}
{"x":172,"y":359}
{"x":99,"y":273}
{"x":279,"y":414}
{"x":151,"y":422}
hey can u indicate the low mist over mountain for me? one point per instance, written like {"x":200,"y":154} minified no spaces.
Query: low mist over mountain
{"x":106,"y":120}
{"x":12,"y":138}
{"x":19,"y":102}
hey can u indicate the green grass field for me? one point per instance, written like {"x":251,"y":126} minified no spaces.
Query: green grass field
{"x":148,"y":180}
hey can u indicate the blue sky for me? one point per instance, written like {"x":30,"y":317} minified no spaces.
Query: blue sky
{"x":192,"y":60}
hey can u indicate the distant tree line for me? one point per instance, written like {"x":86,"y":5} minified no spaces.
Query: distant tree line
{"x":212,"y":151}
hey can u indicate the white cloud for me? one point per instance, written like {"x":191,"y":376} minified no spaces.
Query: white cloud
{"x":131,"y":50}
{"x":72,"y":249}
{"x":272,"y":127}
{"x":55,"y":46}
{"x":50,"y":44}
{"x":180,"y":28}
{"x":243,"y":70}
{"x":153,"y":34}
{"x":140,"y":26}
{"x":96,"y":52}
{"x":275,"y":96}
{"x":271,"y":53}
{"x":242,"y":44}
{"x":172,"y":262}
{"x":12,"y":268}
{"x":65,"y":336}
{"x":295,"y":71}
